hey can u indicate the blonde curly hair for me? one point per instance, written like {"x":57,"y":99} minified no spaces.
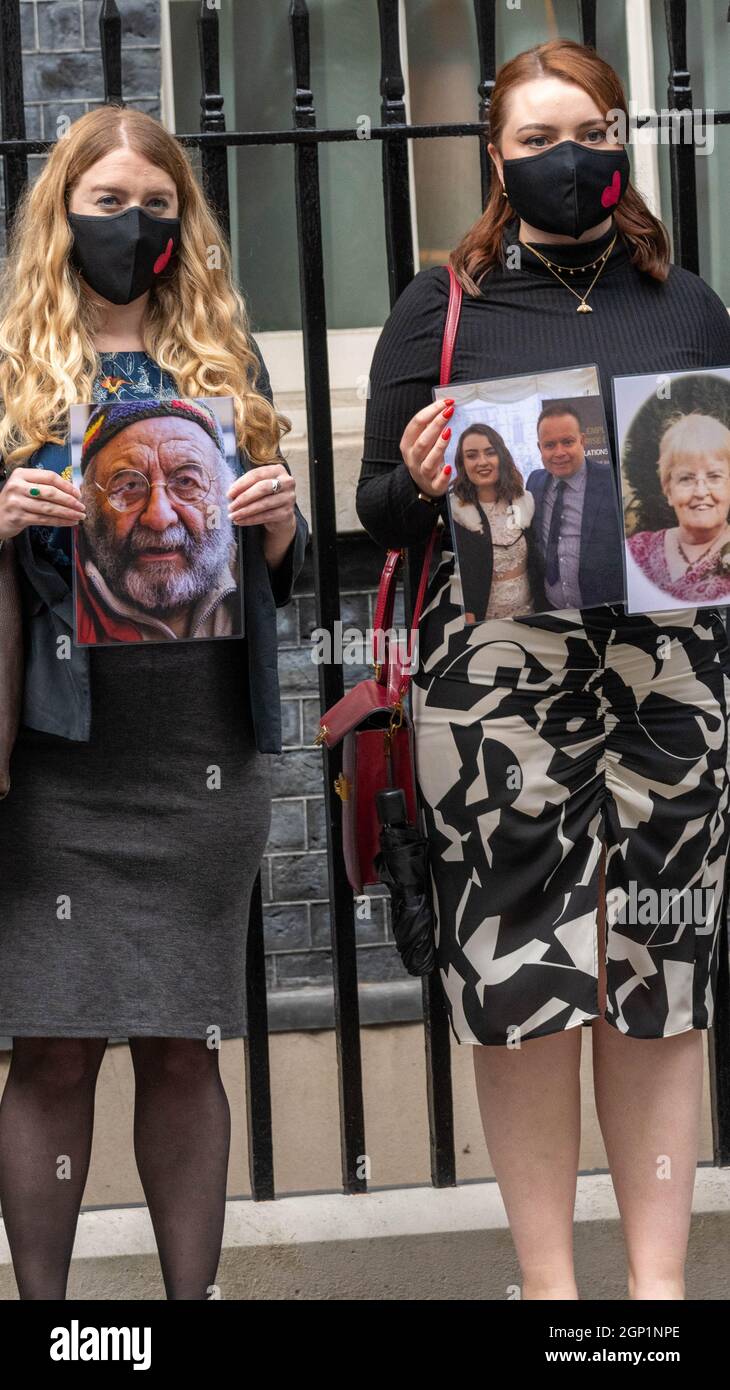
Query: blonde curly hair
{"x":196,"y":325}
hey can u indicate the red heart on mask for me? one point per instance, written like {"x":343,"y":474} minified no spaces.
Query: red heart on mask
{"x":162,"y":260}
{"x":612,"y":194}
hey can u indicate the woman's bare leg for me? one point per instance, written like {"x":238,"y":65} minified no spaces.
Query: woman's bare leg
{"x":46,"y":1126}
{"x":529,"y":1100}
{"x":648,"y":1100}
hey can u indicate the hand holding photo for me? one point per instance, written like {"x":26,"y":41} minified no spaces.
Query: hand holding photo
{"x":157,"y":557}
{"x":673,"y":436}
{"x":533,"y":502}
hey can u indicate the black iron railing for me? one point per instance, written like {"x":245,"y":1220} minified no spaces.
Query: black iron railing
{"x":304,"y":137}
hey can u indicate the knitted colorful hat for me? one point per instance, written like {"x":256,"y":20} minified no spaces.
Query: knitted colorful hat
{"x":108,"y":419}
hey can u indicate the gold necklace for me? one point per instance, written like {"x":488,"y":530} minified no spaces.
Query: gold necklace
{"x":702,"y":553}
{"x":583,"y":307}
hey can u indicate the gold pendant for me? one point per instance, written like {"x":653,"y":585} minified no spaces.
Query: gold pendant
{"x":584,"y":309}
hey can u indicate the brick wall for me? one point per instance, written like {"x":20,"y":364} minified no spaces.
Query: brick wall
{"x":294,"y":871}
{"x":62,"y":74}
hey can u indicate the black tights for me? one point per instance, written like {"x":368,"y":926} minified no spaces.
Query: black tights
{"x":182,"y":1129}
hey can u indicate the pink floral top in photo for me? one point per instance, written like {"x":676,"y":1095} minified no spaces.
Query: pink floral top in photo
{"x":705,"y":580}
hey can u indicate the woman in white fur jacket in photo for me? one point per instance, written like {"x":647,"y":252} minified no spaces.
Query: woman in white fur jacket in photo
{"x":498,"y":561}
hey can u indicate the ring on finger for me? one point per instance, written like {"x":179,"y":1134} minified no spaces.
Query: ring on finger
{"x":34,"y":491}
{"x":275,"y":484}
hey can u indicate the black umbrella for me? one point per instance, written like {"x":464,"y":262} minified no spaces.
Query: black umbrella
{"x":402,"y":865}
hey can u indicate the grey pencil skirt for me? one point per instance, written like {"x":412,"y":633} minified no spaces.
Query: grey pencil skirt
{"x":127,"y":863}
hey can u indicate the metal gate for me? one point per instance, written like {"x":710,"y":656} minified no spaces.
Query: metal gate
{"x":304,"y":138}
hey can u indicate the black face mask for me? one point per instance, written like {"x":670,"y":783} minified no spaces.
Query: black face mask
{"x":120,"y":255}
{"x":567,"y":189}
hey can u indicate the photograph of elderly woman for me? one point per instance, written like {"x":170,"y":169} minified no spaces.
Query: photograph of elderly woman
{"x":673,"y":434}
{"x":157,"y":559}
{"x":533,"y":502}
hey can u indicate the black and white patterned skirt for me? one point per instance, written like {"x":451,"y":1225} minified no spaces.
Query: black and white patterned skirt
{"x":537,"y":740}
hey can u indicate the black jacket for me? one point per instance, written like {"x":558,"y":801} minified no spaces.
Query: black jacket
{"x":600,"y":568}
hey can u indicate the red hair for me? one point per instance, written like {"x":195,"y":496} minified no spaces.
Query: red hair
{"x":481,"y":248}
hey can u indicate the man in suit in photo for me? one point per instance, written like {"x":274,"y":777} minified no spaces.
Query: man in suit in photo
{"x":576,"y":515}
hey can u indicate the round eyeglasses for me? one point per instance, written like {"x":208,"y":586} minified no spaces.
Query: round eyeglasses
{"x":129,"y":489}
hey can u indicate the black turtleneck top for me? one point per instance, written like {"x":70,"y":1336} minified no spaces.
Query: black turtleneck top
{"x":523,"y":320}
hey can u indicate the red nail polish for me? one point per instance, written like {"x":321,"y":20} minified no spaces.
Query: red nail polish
{"x":446,"y":434}
{"x":447,"y":469}
{"x":449,"y":400}
{"x":448,"y":413}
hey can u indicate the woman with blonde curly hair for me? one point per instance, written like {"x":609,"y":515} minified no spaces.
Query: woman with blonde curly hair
{"x":139,"y":799}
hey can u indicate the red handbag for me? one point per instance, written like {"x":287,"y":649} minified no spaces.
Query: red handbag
{"x":371,"y":720}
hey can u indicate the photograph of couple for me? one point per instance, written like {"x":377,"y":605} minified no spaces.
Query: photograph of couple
{"x":674,"y":443}
{"x":533,"y":504}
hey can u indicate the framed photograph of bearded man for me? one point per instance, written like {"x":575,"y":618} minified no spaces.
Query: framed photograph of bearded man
{"x":673,"y":435}
{"x":156,"y":558}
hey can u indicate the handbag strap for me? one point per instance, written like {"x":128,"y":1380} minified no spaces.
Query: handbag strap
{"x":385,"y":603}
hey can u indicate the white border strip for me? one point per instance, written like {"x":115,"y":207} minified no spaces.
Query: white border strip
{"x":642,"y":91}
{"x":167,"y":85}
{"x":333,"y":1217}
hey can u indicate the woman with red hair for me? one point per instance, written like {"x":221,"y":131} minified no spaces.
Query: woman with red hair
{"x":539,"y":737}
